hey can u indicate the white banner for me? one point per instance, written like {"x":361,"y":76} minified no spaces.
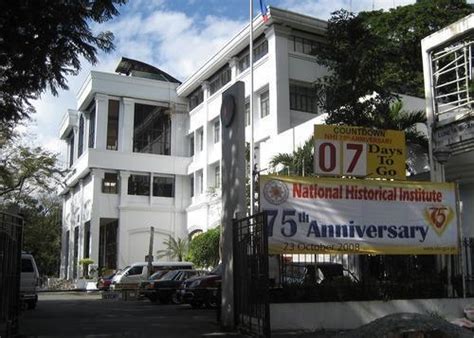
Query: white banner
{"x":323,"y":215}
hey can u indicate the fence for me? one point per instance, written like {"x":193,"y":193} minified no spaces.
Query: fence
{"x":11,"y":227}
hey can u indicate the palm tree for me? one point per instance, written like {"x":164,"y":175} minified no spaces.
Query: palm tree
{"x":174,"y":249}
{"x":300,"y":162}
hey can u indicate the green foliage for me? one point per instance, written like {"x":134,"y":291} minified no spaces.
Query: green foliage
{"x":42,"y":231}
{"x":174,"y":249}
{"x":42,"y":42}
{"x":26,"y":170}
{"x":300,"y":162}
{"x":204,"y":248}
{"x":85,"y":262}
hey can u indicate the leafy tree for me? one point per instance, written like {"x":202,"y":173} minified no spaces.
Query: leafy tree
{"x":300,"y":162}
{"x":174,"y":248}
{"x":42,"y":230}
{"x":41,"y":43}
{"x":204,"y":248}
{"x":26,"y":170}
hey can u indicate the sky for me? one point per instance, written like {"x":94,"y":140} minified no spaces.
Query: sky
{"x":177,"y":36}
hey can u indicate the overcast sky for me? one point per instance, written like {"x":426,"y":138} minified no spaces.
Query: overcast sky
{"x":177,"y":36}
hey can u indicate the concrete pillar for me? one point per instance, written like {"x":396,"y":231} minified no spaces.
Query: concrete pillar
{"x":126,"y":125}
{"x":101,"y":112}
{"x":279,"y":84}
{"x":122,"y":239}
{"x":97,"y":177}
{"x":233,"y":64}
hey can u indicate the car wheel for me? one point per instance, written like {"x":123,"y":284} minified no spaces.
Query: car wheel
{"x":175,"y":299}
{"x":212,"y":302}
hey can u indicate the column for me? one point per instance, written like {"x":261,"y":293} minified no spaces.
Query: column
{"x":277,"y":37}
{"x":101,"y":113}
{"x":233,"y":64}
{"x":126,"y":125}
{"x":97,"y":177}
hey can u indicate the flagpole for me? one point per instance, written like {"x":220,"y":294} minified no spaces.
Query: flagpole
{"x":252,"y":174}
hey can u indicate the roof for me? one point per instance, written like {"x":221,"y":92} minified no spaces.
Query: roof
{"x":137,"y":68}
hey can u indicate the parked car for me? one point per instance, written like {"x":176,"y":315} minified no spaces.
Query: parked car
{"x":104,"y":282}
{"x":29,"y":281}
{"x":131,"y":276}
{"x":203,"y":290}
{"x":164,"y":289}
{"x":153,"y":278}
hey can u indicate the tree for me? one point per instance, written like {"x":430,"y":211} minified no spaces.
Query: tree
{"x":26,"y":170}
{"x":300,"y":162}
{"x":174,"y":249}
{"x":204,"y":248}
{"x":41,"y":43}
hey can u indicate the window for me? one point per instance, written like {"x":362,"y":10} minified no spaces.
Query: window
{"x":217,"y":131}
{"x":136,"y":270}
{"x":217,"y":176}
{"x":92,"y":127}
{"x":247,"y":113}
{"x":264,"y":104}
{"x":27,"y":265}
{"x":151,"y":130}
{"x":192,"y":185}
{"x":196,"y":98}
{"x":260,"y":49}
{"x":71,"y":147}
{"x":199,"y":182}
{"x":305,"y":46}
{"x":200,"y":139}
{"x":303,"y":98}
{"x":139,"y":185}
{"x":80,"y":141}
{"x":163,"y":186}
{"x":110,"y":183}
{"x":112,"y":125}
{"x":219,"y":79}
{"x":191,"y":145}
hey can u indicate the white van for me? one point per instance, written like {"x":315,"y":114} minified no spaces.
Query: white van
{"x":29,"y":280}
{"x":133,"y":275}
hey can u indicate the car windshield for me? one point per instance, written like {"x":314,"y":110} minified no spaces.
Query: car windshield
{"x":218,"y":270}
{"x":158,"y":275}
{"x":121,"y":271}
{"x":170,"y":275}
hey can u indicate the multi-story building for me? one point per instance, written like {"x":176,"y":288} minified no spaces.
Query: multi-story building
{"x":145,"y":150}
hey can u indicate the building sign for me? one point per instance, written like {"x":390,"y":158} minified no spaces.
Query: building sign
{"x":360,"y":152}
{"x":457,"y":135}
{"x":331,"y":216}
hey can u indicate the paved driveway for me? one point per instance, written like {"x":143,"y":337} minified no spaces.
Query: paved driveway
{"x":87,"y":315}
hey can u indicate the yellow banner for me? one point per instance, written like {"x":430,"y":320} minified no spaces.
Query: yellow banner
{"x":328,"y":215}
{"x":360,"y":152}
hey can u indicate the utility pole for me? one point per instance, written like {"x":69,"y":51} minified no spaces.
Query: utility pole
{"x":150,"y":251}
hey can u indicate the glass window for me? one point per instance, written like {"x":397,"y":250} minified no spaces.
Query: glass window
{"x":247,"y":113}
{"x":136,"y":270}
{"x":260,"y":49}
{"x":200,"y":139}
{"x":217,"y":176}
{"x":80,"y":141}
{"x":112,"y":125}
{"x":303,"y":98}
{"x":139,"y":185}
{"x":200,"y":182}
{"x":163,"y":186}
{"x":71,"y":147}
{"x":196,"y":98}
{"x":244,"y":63}
{"x":26,"y":265}
{"x":264,"y":104}
{"x":217,"y":131}
{"x":92,"y":127}
{"x":151,"y":130}
{"x":219,"y":79}
{"x":192,"y":184}
{"x":191,"y":145}
{"x":305,"y":46}
{"x":110,"y":183}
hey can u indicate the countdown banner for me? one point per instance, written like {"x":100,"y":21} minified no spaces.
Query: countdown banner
{"x":360,"y":152}
{"x":331,"y":216}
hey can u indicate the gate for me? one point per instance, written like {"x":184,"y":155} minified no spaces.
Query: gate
{"x":11,"y":227}
{"x":251,"y":299}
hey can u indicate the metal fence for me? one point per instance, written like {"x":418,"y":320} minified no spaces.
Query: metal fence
{"x":11,"y":227}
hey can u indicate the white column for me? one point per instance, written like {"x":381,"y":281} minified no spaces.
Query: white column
{"x":126,"y":126}
{"x":97,"y":177}
{"x":122,"y":249}
{"x":279,"y":84}
{"x":101,"y":112}
{"x":233,"y":64}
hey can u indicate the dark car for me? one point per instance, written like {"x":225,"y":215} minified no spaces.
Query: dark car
{"x":204,"y":290}
{"x":104,"y":282}
{"x":143,"y":286}
{"x":165,"y":288}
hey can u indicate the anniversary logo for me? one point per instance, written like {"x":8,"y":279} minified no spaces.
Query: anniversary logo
{"x":310,"y":215}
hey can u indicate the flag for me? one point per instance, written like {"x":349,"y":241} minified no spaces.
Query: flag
{"x":265,"y":12}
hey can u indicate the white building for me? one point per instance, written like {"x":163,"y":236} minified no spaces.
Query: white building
{"x":127,"y":177}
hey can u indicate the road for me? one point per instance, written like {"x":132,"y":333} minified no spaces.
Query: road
{"x":87,"y":315}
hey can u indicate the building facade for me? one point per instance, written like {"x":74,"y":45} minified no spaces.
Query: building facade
{"x":145,"y":150}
